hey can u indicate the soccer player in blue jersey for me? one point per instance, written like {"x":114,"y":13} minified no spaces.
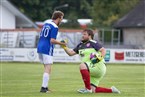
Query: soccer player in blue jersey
{"x":45,"y":46}
{"x":92,"y":67}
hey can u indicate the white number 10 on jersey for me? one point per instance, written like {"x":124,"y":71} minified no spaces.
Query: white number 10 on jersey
{"x":45,"y":31}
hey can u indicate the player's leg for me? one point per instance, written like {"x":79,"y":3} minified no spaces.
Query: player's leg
{"x":97,"y":73}
{"x":86,"y":78}
{"x":47,"y":61}
{"x":46,"y":76}
{"x":97,"y":89}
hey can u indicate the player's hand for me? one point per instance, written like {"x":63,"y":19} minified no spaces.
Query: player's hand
{"x":95,"y":57}
{"x":64,"y":45}
{"x":99,"y":57}
{"x":64,"y":41}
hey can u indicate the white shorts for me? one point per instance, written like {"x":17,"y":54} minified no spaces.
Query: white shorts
{"x":45,"y":59}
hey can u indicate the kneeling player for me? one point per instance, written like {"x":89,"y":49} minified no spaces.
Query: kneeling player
{"x":93,"y":66}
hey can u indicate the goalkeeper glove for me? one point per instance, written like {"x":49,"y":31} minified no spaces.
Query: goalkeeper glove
{"x":95,"y":57}
{"x":64,"y":41}
{"x":99,"y":57}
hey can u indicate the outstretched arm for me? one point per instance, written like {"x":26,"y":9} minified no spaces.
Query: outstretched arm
{"x":54,"y":41}
{"x":69,"y":51}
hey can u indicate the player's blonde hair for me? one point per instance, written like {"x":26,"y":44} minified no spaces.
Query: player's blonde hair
{"x":57,"y":14}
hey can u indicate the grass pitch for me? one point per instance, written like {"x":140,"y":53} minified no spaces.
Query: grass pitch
{"x":24,"y":80}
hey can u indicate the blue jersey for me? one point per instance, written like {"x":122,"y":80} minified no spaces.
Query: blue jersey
{"x":48,"y":31}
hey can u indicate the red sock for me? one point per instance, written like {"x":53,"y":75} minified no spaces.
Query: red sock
{"x":86,"y":78}
{"x":103,"y":90}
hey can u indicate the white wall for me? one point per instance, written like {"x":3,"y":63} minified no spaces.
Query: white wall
{"x":134,"y":36}
{"x":7,"y":19}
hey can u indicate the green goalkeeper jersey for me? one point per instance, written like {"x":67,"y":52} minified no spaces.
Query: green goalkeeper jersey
{"x":97,"y":70}
{"x":85,"y":49}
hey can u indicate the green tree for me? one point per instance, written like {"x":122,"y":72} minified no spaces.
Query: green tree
{"x":35,"y":9}
{"x":42,"y":9}
{"x":106,"y":12}
{"x":103,"y":12}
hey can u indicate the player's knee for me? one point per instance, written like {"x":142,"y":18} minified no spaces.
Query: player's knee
{"x":47,"y":69}
{"x":83,"y":66}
